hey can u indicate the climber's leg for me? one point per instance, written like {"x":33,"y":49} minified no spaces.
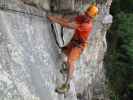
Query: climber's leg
{"x":71,"y":69}
{"x":72,"y":58}
{"x":65,"y":50}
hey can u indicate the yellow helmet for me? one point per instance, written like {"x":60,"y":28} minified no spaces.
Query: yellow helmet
{"x":92,"y":10}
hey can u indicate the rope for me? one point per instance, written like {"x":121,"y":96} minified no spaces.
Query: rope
{"x":54,"y":33}
{"x":62,"y":32}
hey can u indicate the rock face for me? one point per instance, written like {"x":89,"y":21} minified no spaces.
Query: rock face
{"x":30,"y":61}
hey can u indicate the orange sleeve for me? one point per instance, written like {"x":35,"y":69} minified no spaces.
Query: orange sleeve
{"x":84,"y":27}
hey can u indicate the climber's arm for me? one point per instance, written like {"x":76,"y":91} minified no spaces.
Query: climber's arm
{"x":63,"y":22}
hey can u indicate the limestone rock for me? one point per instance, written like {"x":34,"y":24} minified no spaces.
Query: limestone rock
{"x":30,"y":61}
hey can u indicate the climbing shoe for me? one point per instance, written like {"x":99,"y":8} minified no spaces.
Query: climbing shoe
{"x":64,"y":68}
{"x":63,"y":89}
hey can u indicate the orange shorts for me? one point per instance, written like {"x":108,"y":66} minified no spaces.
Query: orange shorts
{"x":73,"y":51}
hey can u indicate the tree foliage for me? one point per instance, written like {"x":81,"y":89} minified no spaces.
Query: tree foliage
{"x":119,"y":58}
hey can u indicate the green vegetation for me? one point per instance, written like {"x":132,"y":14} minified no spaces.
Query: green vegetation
{"x":119,"y":57}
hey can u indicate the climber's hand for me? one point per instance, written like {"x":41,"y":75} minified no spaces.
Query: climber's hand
{"x":50,"y":18}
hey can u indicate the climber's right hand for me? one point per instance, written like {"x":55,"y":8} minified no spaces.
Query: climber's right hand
{"x":50,"y":18}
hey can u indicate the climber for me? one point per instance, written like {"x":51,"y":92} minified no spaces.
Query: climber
{"x":82,"y":25}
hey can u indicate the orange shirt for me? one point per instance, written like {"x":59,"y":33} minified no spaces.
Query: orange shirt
{"x":84,"y":29}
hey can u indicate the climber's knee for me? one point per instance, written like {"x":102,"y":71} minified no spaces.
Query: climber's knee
{"x":74,"y":54}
